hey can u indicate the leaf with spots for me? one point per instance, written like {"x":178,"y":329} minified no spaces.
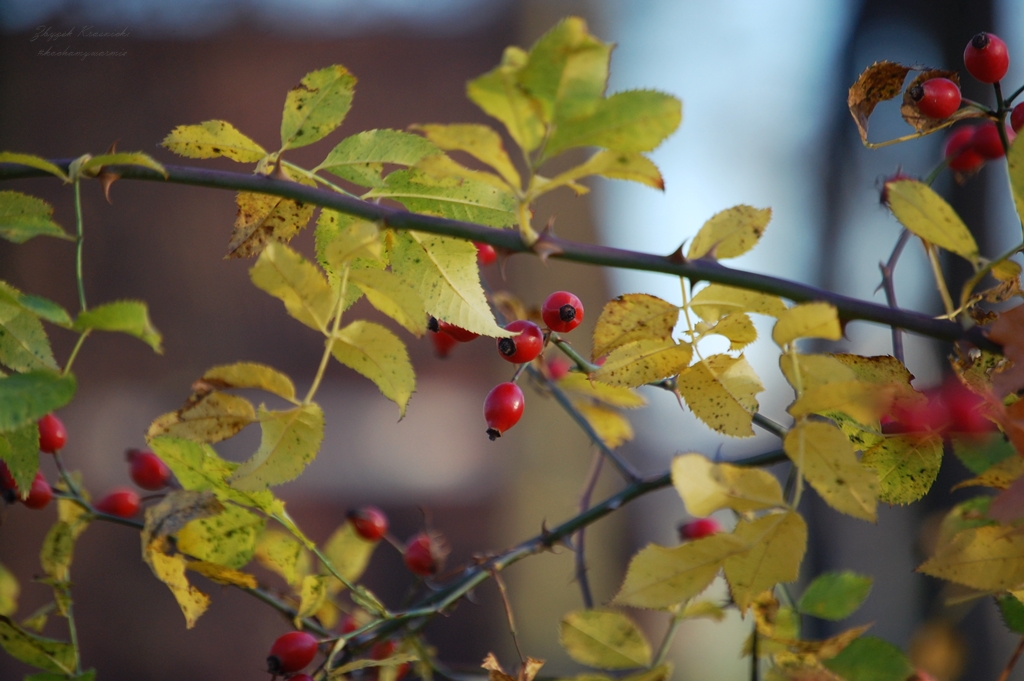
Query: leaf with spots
{"x":24,"y":345}
{"x":170,"y":569}
{"x":906,"y":466}
{"x":379,"y":355}
{"x":730,"y":233}
{"x":316,"y":106}
{"x":19,"y":449}
{"x":738,"y":328}
{"x":209,"y":417}
{"x":722,"y":392}
{"x":312,"y":596}
{"x":922,"y":211}
{"x":227,"y":539}
{"x":222,"y":575}
{"x":603,"y":638}
{"x":263,"y":219}
{"x":879,"y":82}
{"x":43,"y":653}
{"x":290,"y":441}
{"x":827,"y":460}
{"x":361,"y":157}
{"x":644,"y":361}
{"x":988,"y":558}
{"x":633,"y":317}
{"x":342,"y":239}
{"x":284,"y":555}
{"x":777,"y":543}
{"x":715,"y":301}
{"x":23,"y":217}
{"x":298,"y":283}
{"x":251,"y":375}
{"x":211,"y":139}
{"x":706,"y":487}
{"x":451,"y":197}
{"x":630,"y":121}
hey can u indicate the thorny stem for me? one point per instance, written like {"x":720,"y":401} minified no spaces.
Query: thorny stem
{"x":1012,"y":662}
{"x":578,"y":544}
{"x":80,"y":229}
{"x":888,"y":270}
{"x":330,"y":340}
{"x":770,"y":425}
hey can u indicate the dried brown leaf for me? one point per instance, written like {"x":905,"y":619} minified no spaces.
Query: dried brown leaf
{"x":879,"y":82}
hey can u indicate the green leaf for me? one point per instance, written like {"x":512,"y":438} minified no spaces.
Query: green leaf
{"x":871,"y":659}
{"x":9,"y":591}
{"x":631,"y":121}
{"x":262,"y":219}
{"x":449,"y":197}
{"x":606,"y":639}
{"x":361,"y":157}
{"x":835,"y":595}
{"x":19,"y":449}
{"x":1012,"y":612}
{"x":23,"y":217}
{"x":633,"y":317}
{"x":291,"y":439}
{"x":906,"y":465}
{"x":316,"y":106}
{"x":41,"y":307}
{"x":479,"y":141}
{"x":94,"y":164}
{"x":25,"y":398}
{"x":807,"y":320}
{"x":24,"y":345}
{"x":298,"y":283}
{"x":615,"y":165}
{"x":500,"y":95}
{"x":1015,"y":163}
{"x":349,"y":555}
{"x":228,"y":538}
{"x":722,"y":392}
{"x":393,"y":296}
{"x":380,"y":356}
{"x":445,"y":273}
{"x":32,"y":162}
{"x":730,"y":233}
{"x":251,"y":375}
{"x":211,"y":139}
{"x":44,"y":653}
{"x":126,"y":316}
{"x":926,"y":214}
{"x":979,"y":454}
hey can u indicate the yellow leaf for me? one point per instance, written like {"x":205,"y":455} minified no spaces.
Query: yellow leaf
{"x":926,"y":214}
{"x":660,"y":577}
{"x":806,"y":372}
{"x":56,"y":553}
{"x":284,"y":555}
{"x":825,"y":457}
{"x":1015,"y":164}
{"x":222,"y":575}
{"x":906,"y":466}
{"x":715,"y":301}
{"x":702,"y":609}
{"x":722,"y":392}
{"x":706,"y":487}
{"x":612,"y":427}
{"x":9,"y":591}
{"x":777,"y":544}
{"x":349,"y":555}
{"x":312,"y":594}
{"x":989,"y":558}
{"x":291,"y":439}
{"x":380,"y":356}
{"x":633,"y":317}
{"x":1000,"y":475}
{"x":392,"y":296}
{"x":171,"y":571}
{"x":211,"y":139}
{"x":644,"y":361}
{"x":738,"y":328}
{"x":441,"y":166}
{"x":604,"y":638}
{"x":809,"y":320}
{"x":251,"y":375}
{"x":298,"y":283}
{"x":209,"y":418}
{"x":479,"y":141}
{"x":263,"y":219}
{"x":730,"y":233}
{"x":499,"y":94}
{"x":177,"y":509}
{"x":228,"y":538}
{"x":342,"y":238}
{"x":616,"y":165}
{"x":612,"y":395}
{"x":863,"y":402}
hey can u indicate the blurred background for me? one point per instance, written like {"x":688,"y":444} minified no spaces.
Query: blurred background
{"x":765,"y":123}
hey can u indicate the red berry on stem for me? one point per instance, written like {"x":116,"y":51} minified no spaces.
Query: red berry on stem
{"x":523,"y":347}
{"x":986,"y":141}
{"x":420,"y":556}
{"x":443,"y":343}
{"x":503,"y":408}
{"x":562,"y":311}
{"x":1017,"y":117}
{"x":147,"y":470}
{"x":936,"y":97}
{"x":52,"y":434}
{"x":40,"y":494}
{"x":485,"y":253}
{"x":699,"y":528}
{"x":986,"y":58}
{"x":291,"y":652}
{"x":965,"y":409}
{"x":558,"y":367}
{"x":960,"y":152}
{"x":456,"y":332}
{"x":369,"y":522}
{"x":349,"y":624}
{"x":123,"y":503}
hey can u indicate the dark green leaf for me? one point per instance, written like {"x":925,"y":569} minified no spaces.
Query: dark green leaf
{"x":835,"y":595}
{"x":981,"y":453}
{"x":25,"y":398}
{"x":19,"y":449}
{"x":1012,"y":611}
{"x":871,"y":659}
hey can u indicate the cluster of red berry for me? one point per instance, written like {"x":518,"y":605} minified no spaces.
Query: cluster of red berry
{"x":951,"y":408}
{"x":424,"y":553}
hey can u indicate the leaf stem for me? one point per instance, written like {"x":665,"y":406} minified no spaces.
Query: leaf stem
{"x":316,"y":178}
{"x":940,"y":280}
{"x":79,"y":243}
{"x":74,"y":351}
{"x":330,"y":339}
{"x":570,"y":352}
{"x":666,"y":642}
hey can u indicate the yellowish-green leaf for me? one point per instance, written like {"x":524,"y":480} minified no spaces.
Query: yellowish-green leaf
{"x":23,"y":217}
{"x":348,"y":553}
{"x":825,"y":457}
{"x":615,"y":165}
{"x":43,"y":653}
{"x":499,"y":94}
{"x":479,"y":141}
{"x":176,"y":510}
{"x":445,"y":273}
{"x":19,"y":449}
{"x":284,"y":555}
{"x":263,"y":219}
{"x":26,"y":397}
{"x":449,"y":197}
{"x":290,"y":440}
{"x":24,"y":345}
{"x":808,"y":372}
{"x":227,"y":539}
{"x":871,"y":659}
{"x":251,"y":375}
{"x":399,"y":659}
{"x":43,"y":308}
{"x":342,"y":238}
{"x":703,"y":610}
{"x":380,"y":356}
{"x":298,"y":283}
{"x":906,"y":466}
{"x":633,"y":317}
{"x":706,"y":487}
{"x":864,"y":402}
{"x":989,"y":558}
{"x":171,"y":571}
{"x":808,"y":320}
{"x":631,"y":121}
{"x":722,"y":392}
{"x":393,"y":296}
{"x":211,"y":139}
{"x":316,"y":106}
{"x":32,"y":162}
{"x":835,"y":595}
{"x":660,"y":577}
{"x":1006,"y":270}
{"x":125,"y":316}
{"x":606,"y":639}
{"x":1015,"y":163}
{"x":55,"y":556}
{"x":730,"y":233}
{"x":361,"y":157}
{"x":644,"y":361}
{"x":613,"y":428}
{"x":209,"y":418}
{"x":578,"y":384}
{"x":738,"y":328}
{"x":94,"y":164}
{"x":926,"y":214}
{"x":715,"y":301}
{"x":312,"y":595}
{"x":9,"y":591}
{"x":444,"y":167}
{"x":777,"y":545}
{"x":222,"y":575}
{"x":999,"y":476}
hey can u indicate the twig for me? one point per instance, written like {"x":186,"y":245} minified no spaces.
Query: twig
{"x":670,"y":634}
{"x":888,"y":269}
{"x":508,"y":613}
{"x":1012,"y":661}
{"x":769,"y":425}
{"x":755,"y":668}
{"x":578,"y":544}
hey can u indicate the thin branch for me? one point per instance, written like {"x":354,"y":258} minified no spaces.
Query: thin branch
{"x":578,"y":544}
{"x":888,"y":270}
{"x":696,"y":270}
{"x":508,"y":613}
{"x":1012,"y":661}
{"x":666,"y":642}
{"x":771,"y":426}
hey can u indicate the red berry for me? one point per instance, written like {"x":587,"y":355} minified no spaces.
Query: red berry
{"x":562,"y":311}
{"x":52,"y":434}
{"x":369,"y":522}
{"x":1017,"y":117}
{"x":6,"y":479}
{"x":443,"y":343}
{"x":558,"y":367}
{"x":986,"y":141}
{"x":927,"y":417}
{"x":291,"y":652}
{"x":456,"y":332}
{"x":503,"y":408}
{"x":383,"y":650}
{"x":123,"y":503}
{"x":936,"y":97}
{"x":40,"y":494}
{"x":523,"y":347}
{"x":964,"y":408}
{"x":349,"y":624}
{"x":147,"y":470}
{"x":485,"y":253}
{"x":699,"y":528}
{"x":420,"y":556}
{"x":960,"y":152}
{"x":986,"y":58}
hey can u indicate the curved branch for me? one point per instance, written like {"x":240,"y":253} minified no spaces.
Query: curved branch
{"x":509,"y":239}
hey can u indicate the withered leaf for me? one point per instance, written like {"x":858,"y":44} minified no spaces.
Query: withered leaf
{"x":879,"y":82}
